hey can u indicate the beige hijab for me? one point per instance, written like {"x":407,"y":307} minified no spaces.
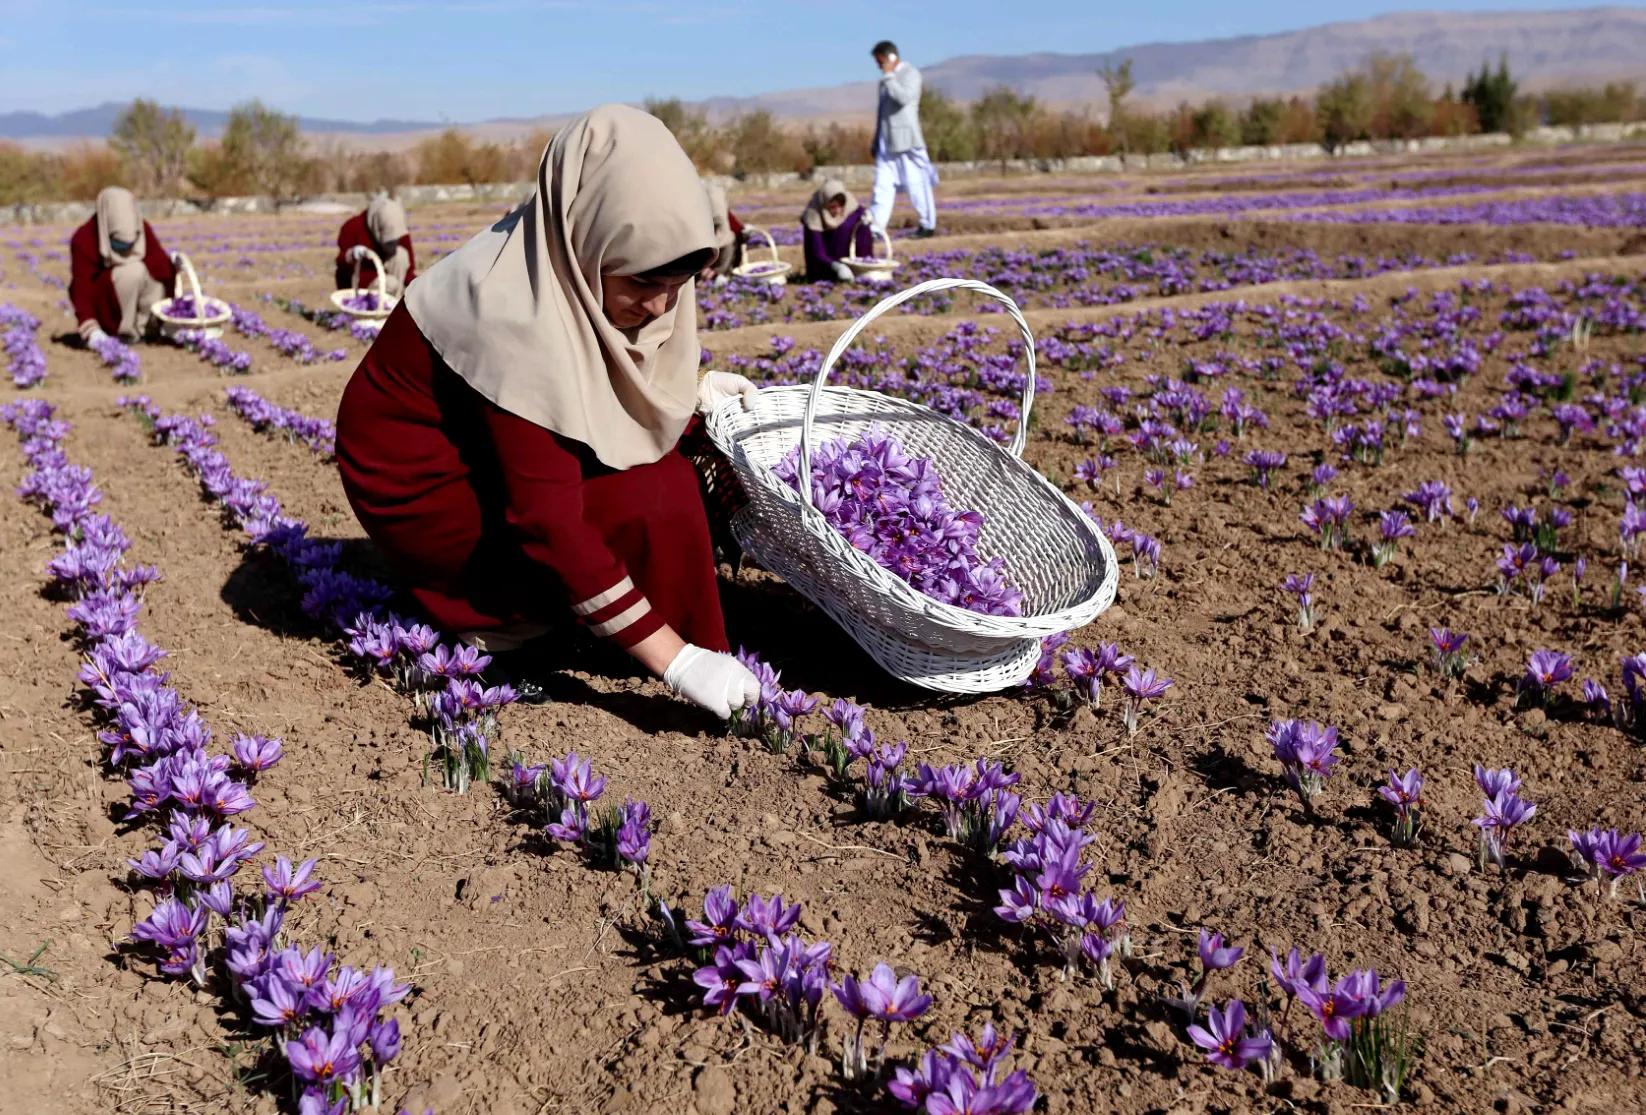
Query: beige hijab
{"x":385,"y":220}
{"x":516,"y":312}
{"x":816,"y":217}
{"x":118,"y":218}
{"x":720,"y":211}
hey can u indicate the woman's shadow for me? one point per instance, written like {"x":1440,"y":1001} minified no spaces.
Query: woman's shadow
{"x":762,"y":614}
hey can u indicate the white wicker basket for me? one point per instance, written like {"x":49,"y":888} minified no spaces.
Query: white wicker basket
{"x":211,"y":314}
{"x":772,"y":270}
{"x":872,"y":268}
{"x":1053,"y":552}
{"x":385,"y":303}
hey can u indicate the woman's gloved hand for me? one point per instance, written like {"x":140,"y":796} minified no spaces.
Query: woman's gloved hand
{"x":717,"y":387}
{"x":842,"y":272}
{"x":176,"y":258}
{"x":357,"y":253}
{"x":91,"y":333}
{"x":715,"y":681}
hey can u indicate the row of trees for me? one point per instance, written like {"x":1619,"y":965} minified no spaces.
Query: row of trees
{"x":261,"y":151}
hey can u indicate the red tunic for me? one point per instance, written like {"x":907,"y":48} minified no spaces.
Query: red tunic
{"x":495,"y":520}
{"x":354,"y":233}
{"x":91,"y":287}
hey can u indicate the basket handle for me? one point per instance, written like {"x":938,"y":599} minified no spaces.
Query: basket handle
{"x":748,"y":234}
{"x":887,"y":240}
{"x":892,"y":302}
{"x":187,"y":269}
{"x":377,"y":261}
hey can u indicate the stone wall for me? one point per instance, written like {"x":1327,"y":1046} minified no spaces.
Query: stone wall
{"x":509,"y":193}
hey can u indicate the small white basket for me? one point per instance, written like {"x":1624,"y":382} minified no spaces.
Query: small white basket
{"x":370,"y":318}
{"x":772,"y":270}
{"x":875,"y":269}
{"x":1054,"y":553}
{"x":210,"y":314}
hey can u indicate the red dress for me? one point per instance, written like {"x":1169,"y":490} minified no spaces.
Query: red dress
{"x":354,"y":233}
{"x":495,"y":520}
{"x":91,"y":287}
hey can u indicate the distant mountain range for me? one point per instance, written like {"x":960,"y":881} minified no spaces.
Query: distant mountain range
{"x":1545,"y":49}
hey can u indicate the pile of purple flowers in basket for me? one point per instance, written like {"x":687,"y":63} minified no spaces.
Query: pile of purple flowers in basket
{"x":24,"y":359}
{"x":185,"y":307}
{"x":363,"y":303}
{"x":328,"y":1018}
{"x":890,"y":505}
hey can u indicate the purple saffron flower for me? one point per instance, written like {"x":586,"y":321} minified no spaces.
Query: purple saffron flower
{"x":1215,"y":955}
{"x":1546,"y":669}
{"x":321,"y":1057}
{"x":1405,"y":793}
{"x":289,"y":883}
{"x":255,"y":754}
{"x":1140,"y":686}
{"x":1225,"y":1040}
{"x":891,"y":999}
{"x":1335,"y":1009}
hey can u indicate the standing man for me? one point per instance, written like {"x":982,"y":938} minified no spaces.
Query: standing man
{"x":900,"y":160}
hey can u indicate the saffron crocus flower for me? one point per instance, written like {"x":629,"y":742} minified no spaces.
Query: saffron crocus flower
{"x":1214,"y":954}
{"x":1263,"y":463}
{"x":321,"y":1057}
{"x":891,"y":999}
{"x":1450,"y":658}
{"x":1225,"y":1040}
{"x":1405,"y":793}
{"x":1546,"y":669}
{"x":256,"y":754}
{"x":719,"y":924}
{"x":722,"y":980}
{"x":1297,"y":972}
{"x":1299,"y":586}
{"x":1493,"y":782}
{"x":1307,"y":752}
{"x":1500,"y":816}
{"x":574,"y":777}
{"x":1392,"y":526}
{"x":1609,"y":854}
{"x":1140,"y":686}
{"x":1334,"y":1008}
{"x":289,"y":883}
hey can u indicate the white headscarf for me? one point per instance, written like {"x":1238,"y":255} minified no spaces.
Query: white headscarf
{"x":817,"y":216}
{"x":386,"y":221}
{"x":118,"y":219}
{"x":517,"y":312}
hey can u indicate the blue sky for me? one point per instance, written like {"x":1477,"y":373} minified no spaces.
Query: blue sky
{"x":479,"y":59}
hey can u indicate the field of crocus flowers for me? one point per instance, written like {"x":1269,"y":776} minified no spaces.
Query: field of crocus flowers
{"x":1336,"y":807}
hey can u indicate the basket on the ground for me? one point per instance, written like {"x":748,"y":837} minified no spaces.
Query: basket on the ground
{"x":1053,"y":552}
{"x":873,"y":268}
{"x":208,"y":316}
{"x":372,"y":306}
{"x":772,"y":270}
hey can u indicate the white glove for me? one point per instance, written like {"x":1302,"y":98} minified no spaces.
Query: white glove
{"x":842,"y":272}
{"x":715,"y":681}
{"x":357,"y":253}
{"x":717,"y":387}
{"x":92,"y":333}
{"x":176,"y":258}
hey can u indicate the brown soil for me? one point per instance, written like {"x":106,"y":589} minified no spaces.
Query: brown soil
{"x":537,"y":990}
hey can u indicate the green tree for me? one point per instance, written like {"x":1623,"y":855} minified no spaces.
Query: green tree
{"x":1215,"y":126}
{"x":154,"y":144}
{"x":1402,"y":103}
{"x":1004,"y":121}
{"x":1118,"y":83}
{"x":1262,"y":122}
{"x":1493,"y":93}
{"x":1344,"y":108}
{"x":262,"y":151}
{"x":950,"y":136}
{"x":690,"y":129}
{"x":759,"y":144}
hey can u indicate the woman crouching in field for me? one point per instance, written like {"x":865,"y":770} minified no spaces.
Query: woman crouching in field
{"x":510,"y":440}
{"x":117,"y":270}
{"x":381,"y":226}
{"x":834,"y":227}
